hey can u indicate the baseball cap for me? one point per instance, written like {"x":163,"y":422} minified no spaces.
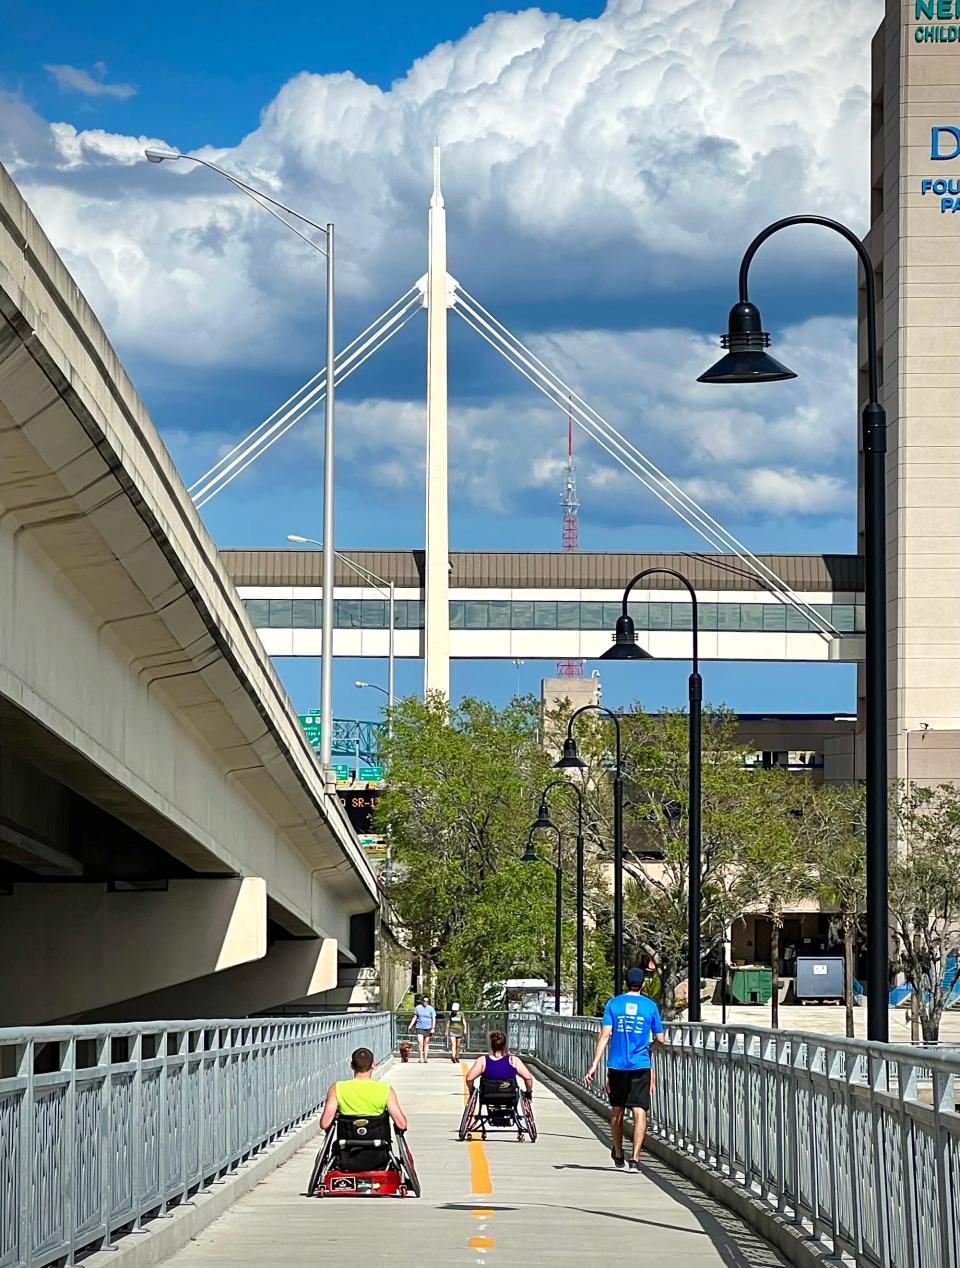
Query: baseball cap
{"x":636,"y":977}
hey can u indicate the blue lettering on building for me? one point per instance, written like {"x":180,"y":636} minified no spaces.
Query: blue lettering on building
{"x":942,"y":135}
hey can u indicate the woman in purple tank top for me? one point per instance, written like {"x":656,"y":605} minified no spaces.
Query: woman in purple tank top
{"x":499,"y":1064}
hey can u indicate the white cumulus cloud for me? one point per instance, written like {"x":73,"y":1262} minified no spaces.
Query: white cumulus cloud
{"x":599,"y":159}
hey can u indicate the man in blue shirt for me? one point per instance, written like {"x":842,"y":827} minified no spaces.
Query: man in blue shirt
{"x":425,"y":1021}
{"x":631,"y":1023}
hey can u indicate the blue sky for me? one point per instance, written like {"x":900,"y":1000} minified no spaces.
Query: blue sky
{"x":604,"y":167}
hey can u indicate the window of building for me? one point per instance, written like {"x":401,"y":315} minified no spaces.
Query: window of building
{"x":258,"y":611}
{"x":281,"y":614}
{"x":544,"y":615}
{"x":499,"y":614}
{"x":305,"y":615}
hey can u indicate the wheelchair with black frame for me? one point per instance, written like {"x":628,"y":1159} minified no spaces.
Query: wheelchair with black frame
{"x":364,"y":1157}
{"x":498,"y":1105}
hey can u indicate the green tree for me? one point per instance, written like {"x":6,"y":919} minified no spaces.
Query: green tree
{"x":457,"y":810}
{"x":656,"y":892}
{"x":925,"y":897}
{"x":833,"y":816}
{"x":775,"y":858}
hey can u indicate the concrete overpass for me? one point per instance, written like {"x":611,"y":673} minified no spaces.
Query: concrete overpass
{"x":167,"y":844}
{"x":551,"y":605}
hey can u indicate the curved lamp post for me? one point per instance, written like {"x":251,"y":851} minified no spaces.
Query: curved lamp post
{"x":273,"y":208}
{"x":747,"y":361}
{"x":625,"y":647}
{"x":545,"y":823}
{"x":571,"y":760}
{"x":530,"y":855}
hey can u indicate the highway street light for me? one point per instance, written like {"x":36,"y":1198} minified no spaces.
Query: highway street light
{"x":273,"y":208}
{"x":545,"y":824}
{"x":373,"y":687}
{"x":530,"y":855}
{"x":748,"y":362}
{"x":386,"y":588}
{"x":571,"y":760}
{"x":625,"y":647}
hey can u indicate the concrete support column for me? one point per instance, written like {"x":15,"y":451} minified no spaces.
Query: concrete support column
{"x":436,"y":643}
{"x":300,"y":969}
{"x":68,"y":949}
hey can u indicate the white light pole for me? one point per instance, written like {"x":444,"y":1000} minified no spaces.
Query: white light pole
{"x":273,"y":208}
{"x":386,"y":588}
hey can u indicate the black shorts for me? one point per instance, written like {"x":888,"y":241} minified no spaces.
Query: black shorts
{"x":629,"y":1089}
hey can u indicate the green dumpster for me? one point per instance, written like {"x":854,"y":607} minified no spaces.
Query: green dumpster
{"x":752,"y":985}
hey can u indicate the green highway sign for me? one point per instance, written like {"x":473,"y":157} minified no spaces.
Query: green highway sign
{"x":311,"y":727}
{"x":370,"y":773}
{"x":343,"y":772}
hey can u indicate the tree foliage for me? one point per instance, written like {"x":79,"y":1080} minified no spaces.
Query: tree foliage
{"x":833,"y":816}
{"x":656,"y":826}
{"x":456,"y":812}
{"x":925,"y":897}
{"x":463,"y":790}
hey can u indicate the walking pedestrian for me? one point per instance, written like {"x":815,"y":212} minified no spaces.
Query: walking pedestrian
{"x":631,"y":1024}
{"x":456,"y":1029}
{"x":425,"y":1022}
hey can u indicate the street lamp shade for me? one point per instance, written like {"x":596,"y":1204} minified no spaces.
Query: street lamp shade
{"x":625,"y":645}
{"x":159,"y":156}
{"x":358,"y":683}
{"x":530,"y":855}
{"x":571,"y":759}
{"x":544,"y":822}
{"x":295,"y":537}
{"x":747,"y":360}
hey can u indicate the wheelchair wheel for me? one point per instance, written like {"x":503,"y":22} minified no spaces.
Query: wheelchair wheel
{"x":468,"y":1116}
{"x":529,"y":1124}
{"x":319,"y":1163}
{"x":406,"y":1159}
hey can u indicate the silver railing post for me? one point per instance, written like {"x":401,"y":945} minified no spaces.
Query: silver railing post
{"x":857,"y":1144}
{"x":132,"y":1119}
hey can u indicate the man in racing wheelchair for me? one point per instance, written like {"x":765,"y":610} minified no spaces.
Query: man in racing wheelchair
{"x":495,"y":1100}
{"x":365,"y":1153}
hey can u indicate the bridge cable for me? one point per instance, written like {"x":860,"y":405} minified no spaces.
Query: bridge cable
{"x":319,"y":375}
{"x":297,"y":406}
{"x":629,"y":456}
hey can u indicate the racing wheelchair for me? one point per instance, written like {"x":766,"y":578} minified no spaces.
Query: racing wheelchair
{"x":499,"y":1105}
{"x":364,"y":1158}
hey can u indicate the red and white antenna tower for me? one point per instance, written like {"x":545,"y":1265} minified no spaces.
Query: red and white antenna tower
{"x":571,"y":533}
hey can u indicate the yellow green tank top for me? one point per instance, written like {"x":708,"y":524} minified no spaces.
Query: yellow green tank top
{"x":362,"y":1097}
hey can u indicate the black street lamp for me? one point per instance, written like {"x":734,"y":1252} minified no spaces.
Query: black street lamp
{"x":748,"y":362}
{"x":530,"y":855}
{"x":571,"y":760}
{"x":545,"y":823}
{"x":625,"y":647}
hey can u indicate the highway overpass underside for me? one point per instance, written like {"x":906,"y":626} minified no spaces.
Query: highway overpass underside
{"x":162,"y":819}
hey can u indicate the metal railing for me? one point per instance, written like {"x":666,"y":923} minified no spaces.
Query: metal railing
{"x":857,"y":1144}
{"x":519,"y":1027}
{"x":102,"y":1127}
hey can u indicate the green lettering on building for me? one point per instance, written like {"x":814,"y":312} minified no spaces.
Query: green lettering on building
{"x":936,"y":10}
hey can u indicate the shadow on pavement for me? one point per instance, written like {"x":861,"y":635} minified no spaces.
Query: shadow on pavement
{"x":734,"y":1242}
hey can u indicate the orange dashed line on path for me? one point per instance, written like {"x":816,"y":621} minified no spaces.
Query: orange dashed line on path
{"x":480,"y":1179}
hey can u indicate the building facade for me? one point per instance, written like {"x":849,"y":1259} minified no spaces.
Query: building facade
{"x":914,"y":241}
